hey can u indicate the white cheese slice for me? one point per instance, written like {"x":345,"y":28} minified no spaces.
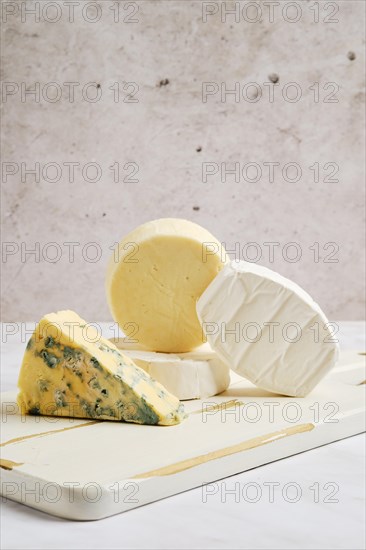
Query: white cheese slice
{"x":267,"y":329}
{"x":154,"y":278}
{"x":194,"y":375}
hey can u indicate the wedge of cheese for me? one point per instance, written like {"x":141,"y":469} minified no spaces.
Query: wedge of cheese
{"x":267,"y":329}
{"x":70,"y":370}
{"x":196,"y":374}
{"x":154,"y":279}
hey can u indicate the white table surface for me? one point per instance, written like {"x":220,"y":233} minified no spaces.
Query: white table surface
{"x":188,"y":521}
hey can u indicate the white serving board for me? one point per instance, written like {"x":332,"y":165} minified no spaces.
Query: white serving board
{"x":87,"y":470}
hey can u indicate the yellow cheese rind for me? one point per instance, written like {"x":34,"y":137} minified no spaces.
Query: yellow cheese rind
{"x":155,"y":278}
{"x":68,"y":369}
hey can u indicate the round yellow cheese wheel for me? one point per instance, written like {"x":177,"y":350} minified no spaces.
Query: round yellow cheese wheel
{"x":154,"y":279}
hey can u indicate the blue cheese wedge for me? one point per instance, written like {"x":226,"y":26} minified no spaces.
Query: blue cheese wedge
{"x":68,"y":369}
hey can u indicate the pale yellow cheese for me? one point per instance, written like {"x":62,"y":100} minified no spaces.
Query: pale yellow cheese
{"x":68,"y":369}
{"x":155,"y":278}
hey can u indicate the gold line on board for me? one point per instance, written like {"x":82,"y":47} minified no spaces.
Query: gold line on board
{"x":24,"y":437}
{"x":220,"y":406}
{"x":9,"y":464}
{"x":226,"y":451}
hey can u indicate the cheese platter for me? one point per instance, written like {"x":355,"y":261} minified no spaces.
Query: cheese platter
{"x":91,"y":469}
{"x":189,"y":397}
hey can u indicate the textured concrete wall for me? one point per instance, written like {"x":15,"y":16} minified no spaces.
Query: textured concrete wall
{"x":167,"y":128}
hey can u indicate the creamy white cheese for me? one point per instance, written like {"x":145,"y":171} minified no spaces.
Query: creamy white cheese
{"x":267,"y":329}
{"x":194,"y":375}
